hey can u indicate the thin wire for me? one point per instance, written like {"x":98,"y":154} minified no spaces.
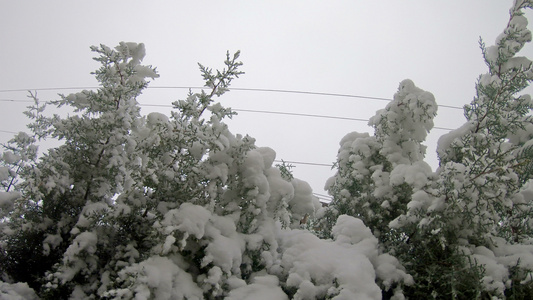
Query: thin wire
{"x":272,"y":112}
{"x":298,"y":114}
{"x":50,"y":89}
{"x":286,"y":161}
{"x":290,"y":114}
{"x":323,"y":196}
{"x":324,"y":200}
{"x":282,"y":91}
{"x":234,"y":89}
{"x":15,"y":100}
{"x":7,"y":131}
{"x":300,"y":92}
{"x":443,"y":128}
{"x":257,"y":111}
{"x":243,"y":110}
{"x":305,"y":163}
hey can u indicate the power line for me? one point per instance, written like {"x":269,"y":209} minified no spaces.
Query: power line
{"x":282,"y":91}
{"x":300,"y":92}
{"x":50,"y":89}
{"x":271,"y":112}
{"x":234,"y":89}
{"x":14,"y":100}
{"x":320,"y":196}
{"x":259,"y":111}
{"x":289,"y":113}
{"x":286,"y":161}
{"x":323,"y":196}
{"x":304,"y":163}
{"x":243,"y":110}
{"x":7,"y":131}
{"x":298,"y":114}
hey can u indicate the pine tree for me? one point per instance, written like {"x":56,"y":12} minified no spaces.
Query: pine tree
{"x":463,"y":232}
{"x":377,"y":175}
{"x":374,"y":179}
{"x":142,"y":207}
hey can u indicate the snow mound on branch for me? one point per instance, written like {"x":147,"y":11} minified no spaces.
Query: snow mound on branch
{"x":345,"y":268}
{"x":499,"y":260}
{"x":189,"y":218}
{"x":7,"y":199}
{"x":136,"y":51}
{"x":352,"y":231}
{"x":453,"y":138}
{"x":10,"y":157}
{"x":264,"y":287}
{"x":157,"y":278}
{"x":84,"y":245}
{"x":16,"y":291}
{"x":303,"y":203}
{"x":416,"y":175}
{"x":408,"y":116}
{"x":225,"y":246}
{"x":268,"y":155}
{"x":155,"y":118}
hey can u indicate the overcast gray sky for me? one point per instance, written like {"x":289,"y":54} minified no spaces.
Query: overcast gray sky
{"x":344,"y":47}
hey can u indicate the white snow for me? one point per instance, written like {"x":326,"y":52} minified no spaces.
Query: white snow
{"x":155,"y":118}
{"x":16,"y":291}
{"x":136,"y":51}
{"x":304,"y":202}
{"x":50,"y":242}
{"x":224,"y":252}
{"x":268,"y":156}
{"x":189,"y":218}
{"x":265,"y":287}
{"x":252,"y":171}
{"x":416,"y":175}
{"x":10,"y":157}
{"x":158,"y":278}
{"x":7,"y":200}
{"x":79,"y":256}
{"x":4,"y":173}
{"x":351,"y":260}
{"x":492,"y":53}
{"x":454,"y":136}
{"x":516,"y":63}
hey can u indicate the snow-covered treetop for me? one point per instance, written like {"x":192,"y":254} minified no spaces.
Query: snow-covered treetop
{"x":404,"y":123}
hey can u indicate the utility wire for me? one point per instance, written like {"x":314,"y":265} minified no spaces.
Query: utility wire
{"x":282,"y":91}
{"x":7,"y":131}
{"x":323,"y":196}
{"x":234,"y":89}
{"x":15,"y":100}
{"x":272,"y":112}
{"x":290,"y":114}
{"x":286,"y":161}
{"x":297,"y":114}
{"x":51,"y":89}
{"x":259,"y":111}
{"x":304,"y":163}
{"x":243,"y":110}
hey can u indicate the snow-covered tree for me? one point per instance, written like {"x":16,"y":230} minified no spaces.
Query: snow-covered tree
{"x":464,"y":231}
{"x":159,"y":207}
{"x":377,"y":174}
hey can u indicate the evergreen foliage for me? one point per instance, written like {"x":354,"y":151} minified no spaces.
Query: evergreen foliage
{"x":143,"y":207}
{"x":464,"y":231}
{"x":178,"y":207}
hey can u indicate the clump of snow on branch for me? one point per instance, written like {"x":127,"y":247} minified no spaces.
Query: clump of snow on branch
{"x":373,"y":169}
{"x":170,"y":207}
{"x":16,"y":291}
